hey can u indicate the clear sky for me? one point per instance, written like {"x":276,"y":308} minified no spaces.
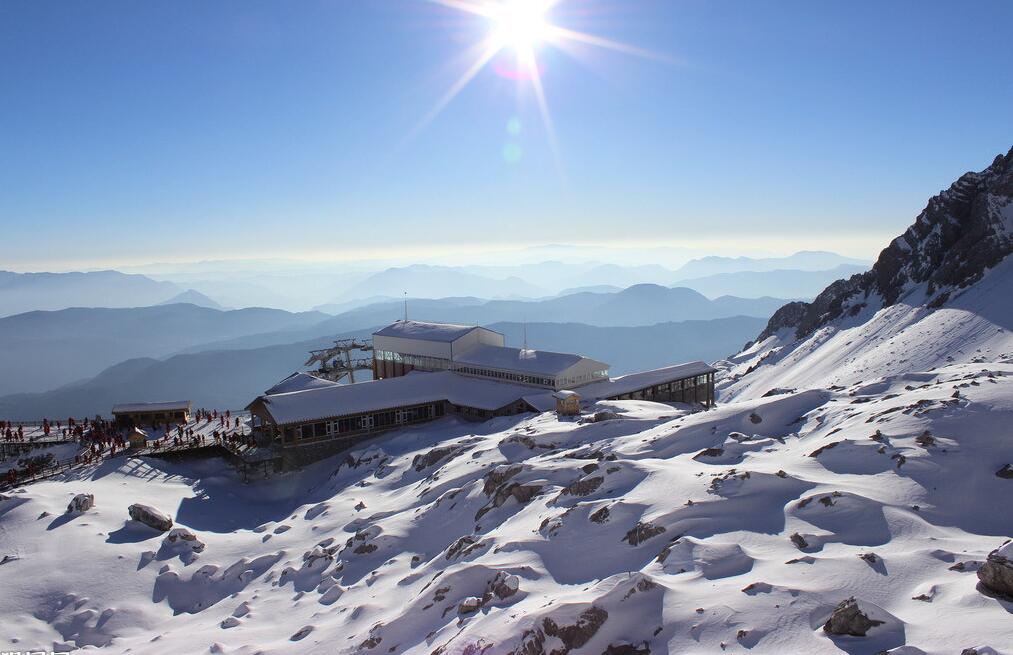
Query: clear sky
{"x":150,"y":131}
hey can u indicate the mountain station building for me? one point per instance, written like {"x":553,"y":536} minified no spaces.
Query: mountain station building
{"x":134,"y":415}
{"x":423,"y":371}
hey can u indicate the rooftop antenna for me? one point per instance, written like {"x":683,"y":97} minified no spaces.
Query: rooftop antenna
{"x":525,"y":323}
{"x":405,"y":306}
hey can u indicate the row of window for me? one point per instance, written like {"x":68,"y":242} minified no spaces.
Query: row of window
{"x":439,"y":363}
{"x":506,"y":375}
{"x":416,"y":361}
{"x":366,"y":422}
{"x":593,"y":376}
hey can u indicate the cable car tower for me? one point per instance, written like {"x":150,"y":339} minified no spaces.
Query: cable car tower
{"x":337,"y":362}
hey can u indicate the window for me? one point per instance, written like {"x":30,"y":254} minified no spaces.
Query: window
{"x":366,"y":422}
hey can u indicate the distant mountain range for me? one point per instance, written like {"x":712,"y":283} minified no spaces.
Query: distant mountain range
{"x":232,"y":378}
{"x":44,"y":350}
{"x":805,"y":260}
{"x":780,"y":282}
{"x":335,"y":289}
{"x":640,"y":305}
{"x":24,"y":292}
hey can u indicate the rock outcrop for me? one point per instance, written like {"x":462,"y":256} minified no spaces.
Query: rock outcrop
{"x":849,"y":619}
{"x":961,"y":233}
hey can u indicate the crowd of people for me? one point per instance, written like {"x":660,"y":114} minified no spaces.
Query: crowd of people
{"x":100,"y":439}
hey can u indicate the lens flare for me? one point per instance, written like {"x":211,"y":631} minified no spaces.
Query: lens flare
{"x":523,"y":27}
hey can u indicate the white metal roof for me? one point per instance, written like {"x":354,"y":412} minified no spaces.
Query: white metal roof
{"x":299,"y":381}
{"x":516,"y":359}
{"x":638,"y":381}
{"x":414,"y":389}
{"x":426,"y":331}
{"x":133,"y":408}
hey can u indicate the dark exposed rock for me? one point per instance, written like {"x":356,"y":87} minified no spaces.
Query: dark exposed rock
{"x":641,"y":532}
{"x":503,"y":586}
{"x":435,"y":455}
{"x":799,"y":541}
{"x":499,"y":475}
{"x":996,"y":574}
{"x":789,"y":316}
{"x":956,"y":238}
{"x":848,"y":619}
{"x":821,"y":449}
{"x":627,"y":649}
{"x":584,"y":487}
{"x":522,"y":493}
{"x":1006,"y":472}
{"x":462,"y":547}
{"x":709,"y":452}
{"x":600,"y":516}
{"x":533,"y":642}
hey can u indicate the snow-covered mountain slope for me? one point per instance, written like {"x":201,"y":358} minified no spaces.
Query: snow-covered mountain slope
{"x":647,"y":530}
{"x":941,"y":292}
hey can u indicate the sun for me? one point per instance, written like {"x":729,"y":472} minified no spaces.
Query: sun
{"x":523,"y":27}
{"x":520,"y":24}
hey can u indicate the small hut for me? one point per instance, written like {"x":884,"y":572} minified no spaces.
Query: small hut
{"x":567,"y":403}
{"x":137,"y":438}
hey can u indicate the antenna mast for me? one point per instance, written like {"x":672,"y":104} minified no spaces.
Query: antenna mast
{"x":405,"y":306}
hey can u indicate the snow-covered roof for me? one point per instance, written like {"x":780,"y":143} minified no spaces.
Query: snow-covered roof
{"x":543,"y":402}
{"x":298,"y":381}
{"x":390,"y":393}
{"x":516,"y":359}
{"x":566,"y":393}
{"x":426,"y":331}
{"x":637,"y":381}
{"x":134,"y":408}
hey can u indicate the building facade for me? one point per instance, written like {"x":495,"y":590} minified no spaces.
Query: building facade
{"x":151,"y":414}
{"x":407,"y":346}
{"x":425,"y":371}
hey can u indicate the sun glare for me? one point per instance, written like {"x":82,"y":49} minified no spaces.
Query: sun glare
{"x":523,"y":27}
{"x":520,"y":24}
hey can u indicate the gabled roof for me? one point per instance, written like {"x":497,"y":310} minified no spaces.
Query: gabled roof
{"x":133,"y":408}
{"x":298,"y":381}
{"x":425,"y":331}
{"x":413,"y":389}
{"x":516,"y":359}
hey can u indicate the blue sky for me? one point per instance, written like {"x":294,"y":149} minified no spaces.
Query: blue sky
{"x":155,"y":131}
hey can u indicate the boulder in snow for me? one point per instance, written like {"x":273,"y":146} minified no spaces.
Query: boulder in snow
{"x":504,"y":585}
{"x":996,"y":574}
{"x":850,"y":618}
{"x":469,"y":605}
{"x":81,"y":503}
{"x":183,"y":538}
{"x":150,"y":516}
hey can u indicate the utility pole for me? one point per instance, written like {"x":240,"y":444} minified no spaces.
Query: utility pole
{"x":405,"y":306}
